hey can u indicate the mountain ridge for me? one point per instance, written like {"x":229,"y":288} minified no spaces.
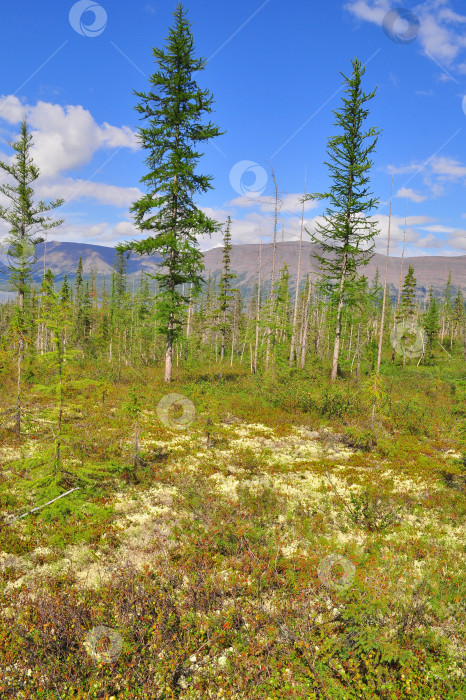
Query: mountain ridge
{"x":62,"y":258}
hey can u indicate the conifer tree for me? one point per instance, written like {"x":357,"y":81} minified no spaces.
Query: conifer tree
{"x":282,"y":309}
{"x":174,"y":109}
{"x":431,"y":324}
{"x":118,"y":300}
{"x":408,"y":296}
{"x":26,"y":220}
{"x":407,"y":307}
{"x":225,"y":289}
{"x":447,"y":307}
{"x":459,"y":316}
{"x":346,"y":235}
{"x":47,"y":291}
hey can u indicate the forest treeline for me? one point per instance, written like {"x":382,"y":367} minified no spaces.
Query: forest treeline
{"x":176,"y":315}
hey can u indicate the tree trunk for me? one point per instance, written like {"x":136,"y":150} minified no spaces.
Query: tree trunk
{"x":306,"y":323}
{"x":169,"y":353}
{"x":336,"y":347}
{"x":382,"y":320}
{"x":395,"y":330}
{"x":258,"y":309}
{"x":20,"y":359}
{"x":298,"y":275}
{"x":274,"y":254}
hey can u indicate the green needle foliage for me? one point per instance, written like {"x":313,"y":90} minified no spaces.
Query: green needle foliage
{"x":226,"y":291}
{"x":408,"y":296}
{"x":174,"y":110}
{"x":431,"y":324}
{"x":26,"y":221}
{"x":25,"y":217}
{"x":346,"y":235}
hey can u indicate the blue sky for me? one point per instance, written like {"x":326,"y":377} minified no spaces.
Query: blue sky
{"x":274,"y":70}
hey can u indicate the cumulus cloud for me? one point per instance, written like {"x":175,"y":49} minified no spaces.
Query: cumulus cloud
{"x":75,"y":189}
{"x":408,"y":193}
{"x":437,"y":228}
{"x":422,"y":233}
{"x":65,"y":138}
{"x":449,"y":168}
{"x":441,"y":30}
{"x":266,"y":203}
{"x":102,"y":233}
{"x":457,"y":240}
{"x":436,"y":172}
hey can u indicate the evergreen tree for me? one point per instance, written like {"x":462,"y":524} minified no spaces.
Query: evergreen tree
{"x":118,"y":300}
{"x":47,"y":309}
{"x":408,"y":296}
{"x":376,"y":289}
{"x":447,"y":308}
{"x":174,"y":109}
{"x":78,"y":281}
{"x":225,"y":290}
{"x":78,"y":301}
{"x":458,"y":315}
{"x":24,"y":216}
{"x":431,"y":324}
{"x":346,"y":236}
{"x":86,"y":314}
{"x":282,"y":314}
{"x":26,"y":221}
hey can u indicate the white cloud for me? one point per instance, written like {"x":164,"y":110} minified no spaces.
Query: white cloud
{"x":102,"y":233}
{"x":458,"y":240}
{"x":255,"y":227}
{"x":441,"y":31}
{"x":266,"y":203}
{"x":448,"y":168}
{"x":75,"y":189}
{"x":369,"y":11}
{"x":12,"y":110}
{"x":65,"y":138}
{"x":437,"y":228}
{"x":435,"y":172}
{"x":408,"y":193}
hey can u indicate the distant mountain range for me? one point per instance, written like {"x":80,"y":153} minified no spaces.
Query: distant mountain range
{"x":62,"y":259}
{"x":428,"y":270}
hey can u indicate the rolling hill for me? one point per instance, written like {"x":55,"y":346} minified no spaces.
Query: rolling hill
{"x":62,"y":258}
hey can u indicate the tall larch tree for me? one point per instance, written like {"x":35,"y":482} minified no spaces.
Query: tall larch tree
{"x":408,"y":296}
{"x":26,"y":219}
{"x":226,"y":291}
{"x":431,"y":323}
{"x":174,"y":110}
{"x":345,"y":238}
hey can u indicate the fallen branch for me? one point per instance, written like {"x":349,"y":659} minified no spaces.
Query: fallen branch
{"x":11,"y":412}
{"x":45,"y":504}
{"x":443,"y":348}
{"x":8,"y":410}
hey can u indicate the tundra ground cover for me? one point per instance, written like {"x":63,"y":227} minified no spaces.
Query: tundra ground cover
{"x":278,"y":546}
